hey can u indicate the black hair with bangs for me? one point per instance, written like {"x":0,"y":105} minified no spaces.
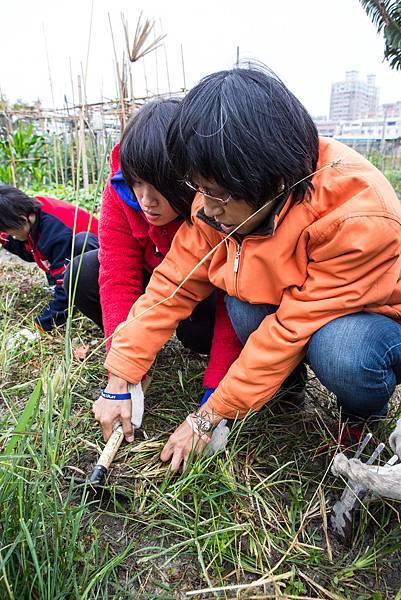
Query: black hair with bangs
{"x":245,"y":131}
{"x":15,"y":208}
{"x":143,"y":154}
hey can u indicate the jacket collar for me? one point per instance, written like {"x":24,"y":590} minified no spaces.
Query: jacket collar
{"x":34,"y":231}
{"x":124,"y":191}
{"x":127,"y":195}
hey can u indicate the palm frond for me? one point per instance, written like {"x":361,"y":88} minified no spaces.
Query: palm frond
{"x":377,"y":12}
{"x":394,"y":58}
{"x":386,"y":17}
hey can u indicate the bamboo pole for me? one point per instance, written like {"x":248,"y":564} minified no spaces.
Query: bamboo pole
{"x":156,"y":66}
{"x":49,"y":173}
{"x":55,"y":167}
{"x":82,"y":143}
{"x":60,"y":158}
{"x":9,"y":132}
{"x":72,"y":161}
{"x":167,"y":70}
{"x":183,"y":70}
{"x":123,"y":118}
{"x":88,"y":128}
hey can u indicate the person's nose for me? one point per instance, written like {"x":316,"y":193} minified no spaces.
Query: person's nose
{"x":212,"y":208}
{"x":149,"y":200}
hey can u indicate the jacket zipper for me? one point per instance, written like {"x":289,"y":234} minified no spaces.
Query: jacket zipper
{"x":236,"y":267}
{"x":237,"y":257}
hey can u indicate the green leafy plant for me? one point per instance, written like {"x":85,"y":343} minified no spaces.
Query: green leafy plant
{"x":22,"y":151}
{"x":386,"y":16}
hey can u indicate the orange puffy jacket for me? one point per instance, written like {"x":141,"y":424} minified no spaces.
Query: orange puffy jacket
{"x":338,"y":252}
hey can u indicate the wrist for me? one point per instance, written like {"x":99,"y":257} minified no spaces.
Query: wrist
{"x":207,"y":412}
{"x":203,"y":422}
{"x":193,"y":423}
{"x":116,"y":384}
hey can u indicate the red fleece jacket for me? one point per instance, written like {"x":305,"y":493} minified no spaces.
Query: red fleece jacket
{"x":129,"y":244}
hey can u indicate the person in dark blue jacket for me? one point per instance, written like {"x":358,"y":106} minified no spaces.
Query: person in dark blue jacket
{"x":46,"y":231}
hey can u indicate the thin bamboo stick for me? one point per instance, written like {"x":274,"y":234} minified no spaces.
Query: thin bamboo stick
{"x":9,"y":133}
{"x":183,"y":70}
{"x":123,"y":118}
{"x":82,"y":143}
{"x":55,"y":168}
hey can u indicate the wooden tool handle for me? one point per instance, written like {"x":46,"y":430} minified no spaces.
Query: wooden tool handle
{"x":111,"y":448}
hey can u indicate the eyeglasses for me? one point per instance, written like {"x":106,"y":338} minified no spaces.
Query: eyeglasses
{"x":225,"y":200}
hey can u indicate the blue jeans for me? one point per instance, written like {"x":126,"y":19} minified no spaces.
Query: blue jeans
{"x":358,"y":357}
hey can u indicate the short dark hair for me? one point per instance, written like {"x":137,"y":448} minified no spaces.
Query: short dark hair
{"x":15,"y":207}
{"x":143,"y":154}
{"x":243,"y":129}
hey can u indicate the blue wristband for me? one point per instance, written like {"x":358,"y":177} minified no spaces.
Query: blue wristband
{"x":109,"y":396}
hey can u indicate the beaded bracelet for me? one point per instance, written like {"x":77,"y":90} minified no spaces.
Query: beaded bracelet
{"x":203,"y":436}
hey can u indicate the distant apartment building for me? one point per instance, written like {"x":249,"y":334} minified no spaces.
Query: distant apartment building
{"x":355,"y":116}
{"x":354,"y":98}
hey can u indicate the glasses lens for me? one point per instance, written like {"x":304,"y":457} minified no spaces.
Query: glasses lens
{"x":224,"y":198}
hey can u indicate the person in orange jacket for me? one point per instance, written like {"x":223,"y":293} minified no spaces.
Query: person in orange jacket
{"x":304,"y":236}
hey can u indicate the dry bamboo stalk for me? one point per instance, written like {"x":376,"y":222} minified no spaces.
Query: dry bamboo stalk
{"x":48,"y":65}
{"x":48,"y":162}
{"x":55,"y":166}
{"x":92,"y":156}
{"x":9,"y":131}
{"x":84,"y":76}
{"x":82,"y":142}
{"x":269,"y":579}
{"x":123,"y":118}
{"x":167,"y":69}
{"x":78,"y":163}
{"x":323,"y":512}
{"x":156,"y":68}
{"x":318,"y":587}
{"x":183,"y":70}
{"x":142,"y":33}
{"x":72,"y":162}
{"x":60,"y":156}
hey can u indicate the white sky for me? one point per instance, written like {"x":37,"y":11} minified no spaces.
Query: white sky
{"x":309,"y":43}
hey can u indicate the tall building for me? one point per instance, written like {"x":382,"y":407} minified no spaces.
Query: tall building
{"x":353,"y":98}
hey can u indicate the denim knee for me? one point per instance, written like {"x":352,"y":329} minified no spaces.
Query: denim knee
{"x":246,"y":317}
{"x":356,"y":357}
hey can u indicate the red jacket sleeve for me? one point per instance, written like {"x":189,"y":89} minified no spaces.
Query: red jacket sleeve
{"x":121,"y":263}
{"x":225,"y":349}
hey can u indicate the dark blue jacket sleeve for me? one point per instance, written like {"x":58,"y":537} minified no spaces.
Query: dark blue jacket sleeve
{"x":56,"y":246}
{"x":16,"y":247}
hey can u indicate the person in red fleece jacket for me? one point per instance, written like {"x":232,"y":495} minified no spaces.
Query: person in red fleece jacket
{"x":138,"y":222}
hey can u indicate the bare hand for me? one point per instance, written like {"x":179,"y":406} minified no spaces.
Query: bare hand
{"x":108,"y":412}
{"x":180,"y":445}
